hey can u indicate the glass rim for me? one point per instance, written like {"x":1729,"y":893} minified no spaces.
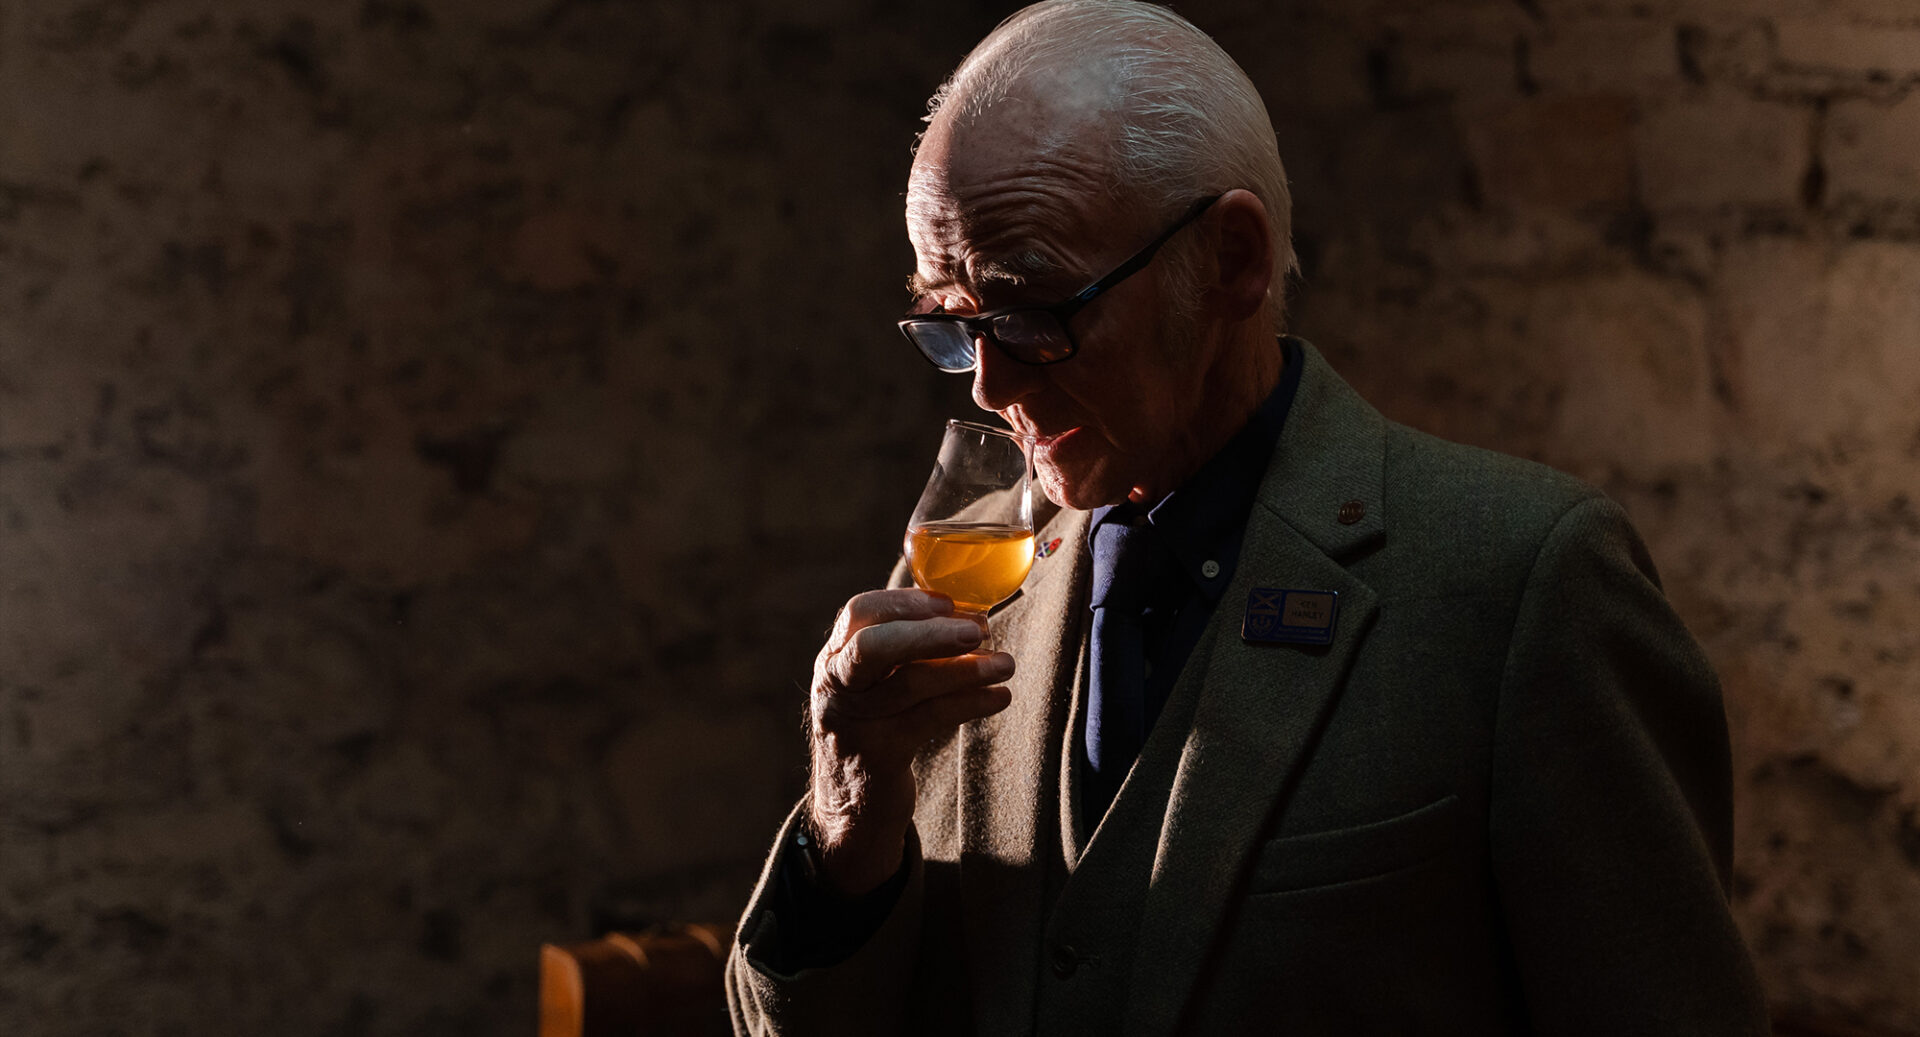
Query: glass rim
{"x":1019,"y":437}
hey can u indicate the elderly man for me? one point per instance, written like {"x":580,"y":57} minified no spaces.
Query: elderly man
{"x":1311,"y":724}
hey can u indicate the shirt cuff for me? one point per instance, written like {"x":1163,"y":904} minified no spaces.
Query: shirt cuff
{"x":819,"y":928}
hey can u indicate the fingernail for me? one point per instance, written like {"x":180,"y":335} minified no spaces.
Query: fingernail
{"x":970,"y":634}
{"x":1000,"y":666}
{"x":942,"y":605}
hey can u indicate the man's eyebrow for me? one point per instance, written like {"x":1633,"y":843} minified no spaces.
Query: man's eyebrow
{"x":1021,"y":268}
{"x":918,"y":286}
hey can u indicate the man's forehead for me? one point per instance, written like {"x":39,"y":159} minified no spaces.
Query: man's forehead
{"x":1022,"y":230}
{"x":1004,"y":197}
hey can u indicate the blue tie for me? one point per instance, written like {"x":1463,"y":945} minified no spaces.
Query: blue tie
{"x":1123,"y":556}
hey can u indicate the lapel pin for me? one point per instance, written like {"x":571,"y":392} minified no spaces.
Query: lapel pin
{"x":1277,"y":616}
{"x":1047,"y":548}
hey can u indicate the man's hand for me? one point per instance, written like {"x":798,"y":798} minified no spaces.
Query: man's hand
{"x":894,"y":674}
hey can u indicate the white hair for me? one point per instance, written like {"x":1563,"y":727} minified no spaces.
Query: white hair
{"x":1191,"y":122}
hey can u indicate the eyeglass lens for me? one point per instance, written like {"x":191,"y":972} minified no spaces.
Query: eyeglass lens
{"x":1033,"y":336}
{"x":949,"y":346}
{"x":1029,"y":336}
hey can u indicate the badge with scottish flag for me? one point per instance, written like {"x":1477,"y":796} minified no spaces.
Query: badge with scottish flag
{"x":1277,"y":616}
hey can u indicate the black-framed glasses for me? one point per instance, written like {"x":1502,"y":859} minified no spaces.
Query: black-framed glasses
{"x":1030,"y":334}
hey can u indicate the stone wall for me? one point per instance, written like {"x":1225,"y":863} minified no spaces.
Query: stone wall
{"x":1672,"y":247}
{"x":434,"y":435}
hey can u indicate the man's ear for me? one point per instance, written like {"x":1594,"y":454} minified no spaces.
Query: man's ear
{"x":1243,"y":254}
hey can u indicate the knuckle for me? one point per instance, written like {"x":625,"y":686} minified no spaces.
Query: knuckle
{"x":870,"y":655}
{"x":828,"y":674}
{"x":856,"y":652}
{"x":842,"y":624}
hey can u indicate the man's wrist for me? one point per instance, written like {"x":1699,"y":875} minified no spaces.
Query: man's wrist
{"x":857,"y":860}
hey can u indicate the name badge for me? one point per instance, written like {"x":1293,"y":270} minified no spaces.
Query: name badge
{"x":1277,"y":616}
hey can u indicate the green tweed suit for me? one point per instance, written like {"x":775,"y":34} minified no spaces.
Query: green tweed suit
{"x":1497,"y":803}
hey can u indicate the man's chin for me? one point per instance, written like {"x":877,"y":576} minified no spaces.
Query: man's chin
{"x":1081,"y":491}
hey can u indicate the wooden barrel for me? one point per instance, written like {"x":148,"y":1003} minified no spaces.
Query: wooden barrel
{"x":663,"y":982}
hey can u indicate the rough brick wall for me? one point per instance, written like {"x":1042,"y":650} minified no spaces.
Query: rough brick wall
{"x":434,"y":434}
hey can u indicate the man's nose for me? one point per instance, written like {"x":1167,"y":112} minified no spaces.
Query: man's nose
{"x":999,"y":381}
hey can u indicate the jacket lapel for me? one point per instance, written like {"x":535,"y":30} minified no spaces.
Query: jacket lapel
{"x":1261,"y":706}
{"x":1007,"y":762}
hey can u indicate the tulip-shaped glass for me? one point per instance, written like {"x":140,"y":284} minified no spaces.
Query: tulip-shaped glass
{"x":971,"y":537}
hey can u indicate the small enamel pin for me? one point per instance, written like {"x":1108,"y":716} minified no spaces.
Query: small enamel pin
{"x":1289,"y":617}
{"x":1047,"y":548}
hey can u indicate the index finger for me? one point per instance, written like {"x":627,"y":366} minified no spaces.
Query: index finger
{"x":874,"y":607}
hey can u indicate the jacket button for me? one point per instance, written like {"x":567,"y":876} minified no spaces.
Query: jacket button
{"x":1352,"y":511}
{"x":1065,"y":961}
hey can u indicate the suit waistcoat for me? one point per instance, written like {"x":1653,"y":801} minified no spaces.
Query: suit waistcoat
{"x":1100,"y":879}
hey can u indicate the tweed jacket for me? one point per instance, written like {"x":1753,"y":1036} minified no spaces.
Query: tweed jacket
{"x":1498,"y":802}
